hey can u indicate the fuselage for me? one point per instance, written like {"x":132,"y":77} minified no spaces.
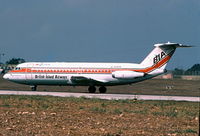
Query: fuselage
{"x":61,"y":73}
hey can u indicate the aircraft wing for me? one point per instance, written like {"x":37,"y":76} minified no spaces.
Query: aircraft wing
{"x":86,"y":80}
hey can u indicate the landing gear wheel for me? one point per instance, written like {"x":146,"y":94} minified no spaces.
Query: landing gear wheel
{"x":34,"y":87}
{"x":102,"y":89}
{"x":92,"y":89}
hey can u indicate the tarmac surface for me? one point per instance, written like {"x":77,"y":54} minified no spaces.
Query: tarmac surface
{"x":102,"y":96}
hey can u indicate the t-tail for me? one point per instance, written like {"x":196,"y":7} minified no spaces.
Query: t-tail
{"x":156,"y":61}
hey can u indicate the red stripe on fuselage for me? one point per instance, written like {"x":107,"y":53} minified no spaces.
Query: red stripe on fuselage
{"x":92,"y":70}
{"x":155,"y":66}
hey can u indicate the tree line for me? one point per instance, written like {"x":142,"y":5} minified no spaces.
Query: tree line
{"x":194,"y":70}
{"x":15,"y":61}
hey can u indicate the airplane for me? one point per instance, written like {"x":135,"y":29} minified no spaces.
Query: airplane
{"x":93,"y":74}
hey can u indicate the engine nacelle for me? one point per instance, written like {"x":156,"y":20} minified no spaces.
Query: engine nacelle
{"x":127,"y":74}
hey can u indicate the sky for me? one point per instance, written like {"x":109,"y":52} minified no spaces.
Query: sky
{"x":98,"y":30}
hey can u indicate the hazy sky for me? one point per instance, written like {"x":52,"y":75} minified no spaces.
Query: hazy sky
{"x":98,"y":30}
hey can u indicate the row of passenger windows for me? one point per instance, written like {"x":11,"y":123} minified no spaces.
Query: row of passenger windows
{"x":86,"y":70}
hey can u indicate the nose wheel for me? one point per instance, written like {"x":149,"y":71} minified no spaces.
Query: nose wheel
{"x":34,"y":87}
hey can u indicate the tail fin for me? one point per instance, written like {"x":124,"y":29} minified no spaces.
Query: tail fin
{"x":159,"y":57}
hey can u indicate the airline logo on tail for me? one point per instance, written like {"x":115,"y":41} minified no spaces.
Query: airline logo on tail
{"x":158,"y":57}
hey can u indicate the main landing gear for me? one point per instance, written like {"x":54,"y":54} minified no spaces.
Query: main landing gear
{"x":102,"y":89}
{"x":92,"y":89}
{"x":34,"y":87}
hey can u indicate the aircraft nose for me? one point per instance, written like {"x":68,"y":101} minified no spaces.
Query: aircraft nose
{"x":6,"y":76}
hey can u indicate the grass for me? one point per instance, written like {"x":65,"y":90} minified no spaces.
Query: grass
{"x":72,"y":111}
{"x":186,"y":131}
{"x":98,"y":109}
{"x":189,"y":131}
{"x":165,"y":108}
{"x":117,"y":111}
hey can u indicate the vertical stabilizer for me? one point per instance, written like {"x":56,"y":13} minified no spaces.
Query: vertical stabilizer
{"x":159,"y":56}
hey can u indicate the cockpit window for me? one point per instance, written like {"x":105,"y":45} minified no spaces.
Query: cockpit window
{"x":17,"y":68}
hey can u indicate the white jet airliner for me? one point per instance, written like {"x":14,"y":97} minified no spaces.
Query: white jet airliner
{"x":93,"y":74}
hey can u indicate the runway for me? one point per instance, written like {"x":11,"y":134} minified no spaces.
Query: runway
{"x":102,"y":96}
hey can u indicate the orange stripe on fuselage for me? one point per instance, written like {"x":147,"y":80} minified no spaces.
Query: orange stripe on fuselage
{"x":92,"y":71}
{"x":157,"y":65}
{"x":19,"y":71}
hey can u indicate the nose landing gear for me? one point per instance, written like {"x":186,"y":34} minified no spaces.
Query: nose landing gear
{"x":34,"y":87}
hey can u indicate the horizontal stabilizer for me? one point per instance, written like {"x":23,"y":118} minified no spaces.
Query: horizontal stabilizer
{"x":177,"y":45}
